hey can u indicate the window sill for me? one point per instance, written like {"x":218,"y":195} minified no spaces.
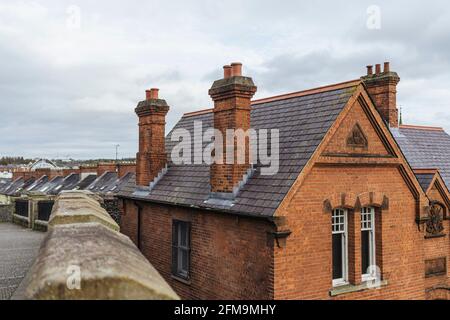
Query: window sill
{"x":182,"y":280}
{"x":432,"y":236}
{"x":437,"y":274}
{"x":356,"y":288}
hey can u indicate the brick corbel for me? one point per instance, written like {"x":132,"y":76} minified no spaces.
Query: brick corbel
{"x":280,"y":233}
{"x":373,"y":199}
{"x":340,"y":200}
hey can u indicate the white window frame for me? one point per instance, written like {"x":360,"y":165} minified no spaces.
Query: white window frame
{"x":342,"y":229}
{"x":178,"y":248}
{"x":369,"y":225}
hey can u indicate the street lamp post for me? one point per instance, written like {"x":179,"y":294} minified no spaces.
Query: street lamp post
{"x":117,"y":152}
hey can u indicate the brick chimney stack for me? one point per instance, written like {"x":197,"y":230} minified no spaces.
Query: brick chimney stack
{"x":151,"y":158}
{"x":232,"y":105}
{"x":382,"y":87}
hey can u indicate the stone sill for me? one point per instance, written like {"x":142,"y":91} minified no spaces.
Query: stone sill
{"x":440,"y":235}
{"x":182,"y":280}
{"x":438,"y":274}
{"x":349,"y":288}
{"x":22,"y":218}
{"x":41,"y":223}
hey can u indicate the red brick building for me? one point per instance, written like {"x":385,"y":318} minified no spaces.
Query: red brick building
{"x":358,"y":208}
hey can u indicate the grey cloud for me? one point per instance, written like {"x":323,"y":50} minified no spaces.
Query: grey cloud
{"x":76,"y":93}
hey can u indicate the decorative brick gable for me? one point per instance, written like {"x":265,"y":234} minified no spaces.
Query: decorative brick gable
{"x":356,"y":136}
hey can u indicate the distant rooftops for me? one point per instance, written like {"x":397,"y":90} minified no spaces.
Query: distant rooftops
{"x":426,"y":148}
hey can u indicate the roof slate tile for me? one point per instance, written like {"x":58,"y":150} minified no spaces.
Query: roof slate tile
{"x":302,"y":123}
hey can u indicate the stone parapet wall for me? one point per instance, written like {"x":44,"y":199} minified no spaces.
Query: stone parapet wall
{"x":6,"y":211}
{"x":83,"y":256}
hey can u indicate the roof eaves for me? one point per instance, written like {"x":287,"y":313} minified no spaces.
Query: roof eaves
{"x":212,"y":209}
{"x":417,"y":127}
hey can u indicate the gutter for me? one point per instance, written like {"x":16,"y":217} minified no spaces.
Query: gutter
{"x":175,"y":204}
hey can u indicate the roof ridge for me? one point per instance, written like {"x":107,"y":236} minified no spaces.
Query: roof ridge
{"x":196,"y":113}
{"x":419,"y":127}
{"x":425,"y":170}
{"x":330,"y":87}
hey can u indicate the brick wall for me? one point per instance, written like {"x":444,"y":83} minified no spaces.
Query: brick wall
{"x":231,"y":256}
{"x":106,"y":167}
{"x":437,"y":248}
{"x":23,"y":174}
{"x":125,"y":168}
{"x":303,"y":269}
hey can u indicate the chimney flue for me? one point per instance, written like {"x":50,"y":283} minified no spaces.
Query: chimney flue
{"x":227,"y":71}
{"x":369,"y":70}
{"x":386,"y":67}
{"x":377,"y":69}
{"x":236,"y":69}
{"x":151,"y":94}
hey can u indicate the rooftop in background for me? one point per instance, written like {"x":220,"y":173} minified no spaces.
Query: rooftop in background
{"x":425,"y":147}
{"x":42,"y":164}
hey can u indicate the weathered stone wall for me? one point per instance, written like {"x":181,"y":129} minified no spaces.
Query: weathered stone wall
{"x":83,"y":256}
{"x":112,"y":207}
{"x":6,"y":211}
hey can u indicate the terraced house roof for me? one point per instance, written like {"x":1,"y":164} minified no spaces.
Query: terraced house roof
{"x":302,"y":119}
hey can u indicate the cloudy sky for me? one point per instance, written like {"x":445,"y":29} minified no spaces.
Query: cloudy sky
{"x":73,"y":71}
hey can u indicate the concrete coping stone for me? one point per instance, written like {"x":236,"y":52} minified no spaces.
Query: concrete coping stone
{"x":80,"y":207}
{"x":90,"y":261}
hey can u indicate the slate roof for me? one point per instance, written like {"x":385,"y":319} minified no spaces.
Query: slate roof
{"x":425,"y":148}
{"x":424,"y":180}
{"x":84,"y":183}
{"x":11,"y":188}
{"x":104,"y":182}
{"x":68,"y":183}
{"x":51,"y":185}
{"x":302,"y":122}
{"x":38,"y":183}
{"x":4,"y":182}
{"x":122,"y":182}
{"x":17,"y":186}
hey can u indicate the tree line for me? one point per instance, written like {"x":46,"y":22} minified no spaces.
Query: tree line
{"x":14,"y":160}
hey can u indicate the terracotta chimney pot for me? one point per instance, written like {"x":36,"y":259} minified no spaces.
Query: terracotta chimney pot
{"x":377,"y":68}
{"x":236,"y":69}
{"x":227,"y":71}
